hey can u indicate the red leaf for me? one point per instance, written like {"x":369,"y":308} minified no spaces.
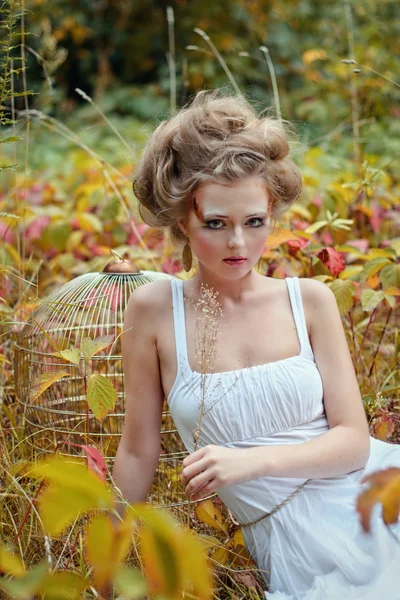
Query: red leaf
{"x":295,"y":245}
{"x":96,"y":462}
{"x":132,"y":236}
{"x":171,"y":266}
{"x":332,"y":259}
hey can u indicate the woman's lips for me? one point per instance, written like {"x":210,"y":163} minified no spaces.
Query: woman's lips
{"x":234,"y":262}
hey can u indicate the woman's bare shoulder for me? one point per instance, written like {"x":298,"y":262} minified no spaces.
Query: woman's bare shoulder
{"x":150,"y":300}
{"x":315,"y":294}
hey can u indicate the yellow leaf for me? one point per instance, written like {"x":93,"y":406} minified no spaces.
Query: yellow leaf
{"x":384,"y":488}
{"x":101,"y":395}
{"x":71,"y":355}
{"x":392,"y":291}
{"x":310,"y":56}
{"x":197,"y":574}
{"x":89,"y":222}
{"x":161,"y":563}
{"x":380,"y":253}
{"x":383,"y":429}
{"x":216,"y":549}
{"x":10,"y":563}
{"x":211,"y":515}
{"x":73,"y":477}
{"x":91,"y":347}
{"x":106,"y":547}
{"x":188,"y":553}
{"x":280,"y":236}
{"x":350,"y":271}
{"x":45,"y":380}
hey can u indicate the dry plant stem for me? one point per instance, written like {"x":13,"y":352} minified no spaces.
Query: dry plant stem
{"x":365,"y":335}
{"x":353,"y":89}
{"x":171,"y":56}
{"x":380,"y":340}
{"x":87,"y":405}
{"x":28,"y":127}
{"x":206,"y":335}
{"x":28,"y":512}
{"x":220,"y":59}
{"x":353,"y":340}
{"x":100,"y":112}
{"x":266,"y":53}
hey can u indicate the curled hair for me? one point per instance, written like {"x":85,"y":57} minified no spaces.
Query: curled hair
{"x":218,"y":139}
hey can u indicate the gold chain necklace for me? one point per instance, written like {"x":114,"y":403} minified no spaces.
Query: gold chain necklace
{"x":278,"y":506}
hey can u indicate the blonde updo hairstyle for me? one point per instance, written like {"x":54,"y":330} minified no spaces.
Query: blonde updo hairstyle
{"x":216,"y":138}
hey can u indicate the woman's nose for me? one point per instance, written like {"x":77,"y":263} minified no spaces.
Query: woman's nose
{"x":236,"y":240}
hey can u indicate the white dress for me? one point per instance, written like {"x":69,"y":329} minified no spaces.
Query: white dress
{"x":313,"y":548}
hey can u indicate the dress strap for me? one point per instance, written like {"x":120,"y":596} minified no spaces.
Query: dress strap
{"x":178,"y":310}
{"x":299,"y":316}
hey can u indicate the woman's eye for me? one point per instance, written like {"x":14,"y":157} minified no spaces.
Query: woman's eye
{"x":209,"y":224}
{"x":259,"y":221}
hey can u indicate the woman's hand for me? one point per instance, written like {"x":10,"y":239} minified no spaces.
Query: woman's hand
{"x":213,"y":467}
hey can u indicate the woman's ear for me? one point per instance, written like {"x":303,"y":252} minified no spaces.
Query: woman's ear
{"x":182,"y":224}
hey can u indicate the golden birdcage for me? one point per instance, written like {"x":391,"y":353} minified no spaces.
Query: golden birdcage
{"x":89,"y":306}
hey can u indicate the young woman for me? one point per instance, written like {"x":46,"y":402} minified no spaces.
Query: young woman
{"x":283,"y":440}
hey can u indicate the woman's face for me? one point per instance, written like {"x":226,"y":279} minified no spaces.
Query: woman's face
{"x":229,"y":220}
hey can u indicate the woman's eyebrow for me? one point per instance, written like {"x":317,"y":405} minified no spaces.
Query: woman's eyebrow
{"x":257,"y":214}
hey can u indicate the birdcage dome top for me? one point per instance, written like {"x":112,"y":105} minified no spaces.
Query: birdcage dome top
{"x":90,"y":305}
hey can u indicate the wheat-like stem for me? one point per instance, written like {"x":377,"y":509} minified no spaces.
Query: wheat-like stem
{"x":206,"y":335}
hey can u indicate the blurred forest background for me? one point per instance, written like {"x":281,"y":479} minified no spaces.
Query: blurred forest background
{"x":83,"y":84}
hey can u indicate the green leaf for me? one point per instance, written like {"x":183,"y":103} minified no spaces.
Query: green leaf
{"x":43,"y":381}
{"x":344,"y":291}
{"x":24,"y":588}
{"x":57,"y":235}
{"x":373,"y":266}
{"x":391,"y":300}
{"x":315,"y":226}
{"x":63,"y":585}
{"x":130,"y":583}
{"x":7,"y":140}
{"x":71,"y":355}
{"x":342,"y":224}
{"x":101,"y":395}
{"x":91,"y":347}
{"x":390,"y":276}
{"x":370,"y":299}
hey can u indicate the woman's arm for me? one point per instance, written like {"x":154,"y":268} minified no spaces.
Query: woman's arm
{"x":345,"y":447}
{"x":139,"y":449}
